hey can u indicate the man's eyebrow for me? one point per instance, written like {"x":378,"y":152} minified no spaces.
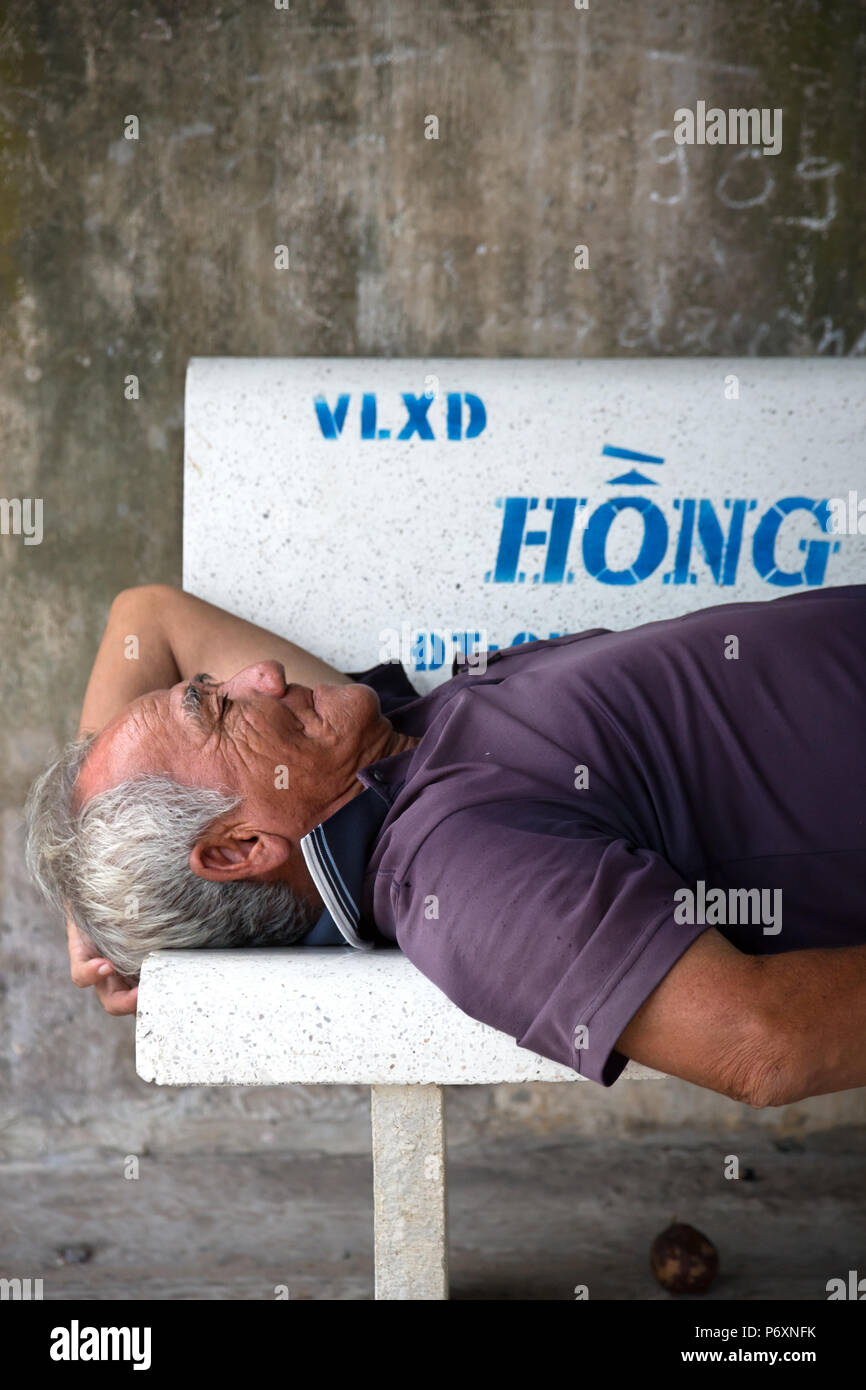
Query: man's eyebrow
{"x":191,"y":703}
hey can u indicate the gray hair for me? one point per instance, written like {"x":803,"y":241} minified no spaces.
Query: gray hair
{"x":120,"y":866}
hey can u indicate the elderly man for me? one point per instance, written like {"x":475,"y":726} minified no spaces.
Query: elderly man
{"x":645,"y":844}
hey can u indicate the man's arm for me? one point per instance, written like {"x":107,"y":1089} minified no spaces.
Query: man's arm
{"x":177,"y":636}
{"x":767,"y":1030}
{"x":563,"y":944}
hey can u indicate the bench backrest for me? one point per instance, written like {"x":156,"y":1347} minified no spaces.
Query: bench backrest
{"x":369,"y":508}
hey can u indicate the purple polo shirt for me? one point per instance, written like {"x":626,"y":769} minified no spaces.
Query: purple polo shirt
{"x":535,"y":853}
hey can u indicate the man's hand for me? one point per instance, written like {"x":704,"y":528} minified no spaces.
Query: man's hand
{"x":116,"y":993}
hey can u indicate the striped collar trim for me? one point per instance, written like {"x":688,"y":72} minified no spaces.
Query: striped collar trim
{"x":336,"y":853}
{"x":326,"y":875}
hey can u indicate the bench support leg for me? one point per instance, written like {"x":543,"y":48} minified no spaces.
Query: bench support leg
{"x":409,"y":1192}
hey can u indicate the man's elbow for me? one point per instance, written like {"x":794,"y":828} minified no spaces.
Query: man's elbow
{"x":768,"y":1086}
{"x":768,"y":1074}
{"x":144,"y":595}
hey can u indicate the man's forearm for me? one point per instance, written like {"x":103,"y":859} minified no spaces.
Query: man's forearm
{"x":134,"y":657}
{"x":157,"y":635}
{"x":204,"y":638}
{"x":815,"y":1000}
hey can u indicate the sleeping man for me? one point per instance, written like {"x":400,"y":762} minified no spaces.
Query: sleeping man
{"x":645,"y":844}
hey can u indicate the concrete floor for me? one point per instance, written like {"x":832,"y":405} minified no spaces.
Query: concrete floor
{"x":527,"y":1222}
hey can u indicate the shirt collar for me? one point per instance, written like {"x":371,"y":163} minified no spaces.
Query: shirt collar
{"x":336,"y":853}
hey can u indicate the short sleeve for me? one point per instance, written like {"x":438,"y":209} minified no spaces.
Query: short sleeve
{"x":541,"y":928}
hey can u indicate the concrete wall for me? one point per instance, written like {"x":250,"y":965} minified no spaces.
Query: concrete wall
{"x":306,"y":127}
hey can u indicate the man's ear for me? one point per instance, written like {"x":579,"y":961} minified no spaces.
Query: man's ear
{"x":223,"y":855}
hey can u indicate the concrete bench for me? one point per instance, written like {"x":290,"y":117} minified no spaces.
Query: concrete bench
{"x":357,"y":504}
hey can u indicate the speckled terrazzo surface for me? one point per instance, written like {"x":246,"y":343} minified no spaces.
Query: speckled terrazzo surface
{"x":270,"y":1017}
{"x":337,"y":541}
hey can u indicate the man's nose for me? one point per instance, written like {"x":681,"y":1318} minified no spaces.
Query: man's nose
{"x":265,"y":678}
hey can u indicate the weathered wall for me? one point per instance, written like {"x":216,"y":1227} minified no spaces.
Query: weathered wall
{"x":306,"y":127}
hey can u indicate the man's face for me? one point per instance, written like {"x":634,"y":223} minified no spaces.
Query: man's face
{"x":290,"y":752}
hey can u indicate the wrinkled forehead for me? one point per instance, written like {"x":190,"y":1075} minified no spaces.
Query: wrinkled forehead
{"x":134,"y":741}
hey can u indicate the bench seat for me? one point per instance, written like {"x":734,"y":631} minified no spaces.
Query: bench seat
{"x":275,"y":1017}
